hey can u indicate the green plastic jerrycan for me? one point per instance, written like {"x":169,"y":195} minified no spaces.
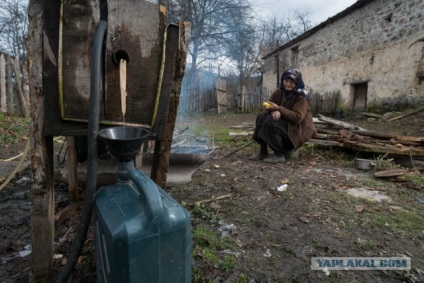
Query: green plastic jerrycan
{"x":141,"y":233}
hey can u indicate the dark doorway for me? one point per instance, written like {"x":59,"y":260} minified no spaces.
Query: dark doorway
{"x":360,"y":97}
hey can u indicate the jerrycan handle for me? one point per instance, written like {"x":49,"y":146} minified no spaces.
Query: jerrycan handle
{"x":149,"y":189}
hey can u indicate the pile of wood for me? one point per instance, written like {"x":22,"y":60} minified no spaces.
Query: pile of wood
{"x":333,"y":132}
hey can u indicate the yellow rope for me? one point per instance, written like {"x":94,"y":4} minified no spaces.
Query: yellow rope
{"x":162,"y":69}
{"x":11,"y":176}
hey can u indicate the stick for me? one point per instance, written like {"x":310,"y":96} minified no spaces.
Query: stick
{"x":209,"y":200}
{"x":237,"y":149}
{"x":8,"y":128}
{"x":13,"y":158}
{"x":405,"y":115}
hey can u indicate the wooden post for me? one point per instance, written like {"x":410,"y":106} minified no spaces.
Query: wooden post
{"x":243,"y":94}
{"x":42,"y":215}
{"x":72,"y":170}
{"x":9,"y":87}
{"x":24,"y":102}
{"x":3,"y":84}
{"x":221,"y":95}
{"x":162,"y":150}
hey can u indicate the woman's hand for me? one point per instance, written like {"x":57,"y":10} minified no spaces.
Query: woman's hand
{"x":270,"y":106}
{"x":276,"y":115}
{"x":273,"y":109}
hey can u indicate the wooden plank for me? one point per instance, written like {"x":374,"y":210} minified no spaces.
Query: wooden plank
{"x":340,"y":123}
{"x":405,"y":115}
{"x":136,"y":27}
{"x":324,"y":142}
{"x":161,"y":154}
{"x":382,"y":135}
{"x":51,"y":15}
{"x":42,"y":215}
{"x":75,"y":57}
{"x":390,"y":173}
{"x":243,"y":126}
{"x":390,"y":149}
{"x":240,"y":134}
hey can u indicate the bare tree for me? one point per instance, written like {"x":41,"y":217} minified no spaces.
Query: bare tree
{"x":14,"y":27}
{"x":212,"y":26}
{"x":277,"y":31}
{"x":303,"y":19}
{"x":243,"y":46}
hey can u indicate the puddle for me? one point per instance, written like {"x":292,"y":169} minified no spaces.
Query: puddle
{"x":368,"y":194}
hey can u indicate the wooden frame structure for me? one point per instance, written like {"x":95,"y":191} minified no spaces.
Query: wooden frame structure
{"x":50,"y":46}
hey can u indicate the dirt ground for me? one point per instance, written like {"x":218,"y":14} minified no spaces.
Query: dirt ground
{"x":270,"y":235}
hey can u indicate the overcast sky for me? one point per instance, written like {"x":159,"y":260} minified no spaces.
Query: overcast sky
{"x":320,"y":10}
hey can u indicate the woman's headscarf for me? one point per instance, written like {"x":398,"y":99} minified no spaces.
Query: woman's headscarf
{"x":299,"y":88}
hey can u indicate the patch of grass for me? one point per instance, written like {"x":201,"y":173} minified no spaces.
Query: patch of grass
{"x":13,"y":129}
{"x":367,"y":245}
{"x":241,"y":278}
{"x":205,"y":213}
{"x":208,"y":254}
{"x":372,"y":182}
{"x":399,"y":221}
{"x":416,"y":178}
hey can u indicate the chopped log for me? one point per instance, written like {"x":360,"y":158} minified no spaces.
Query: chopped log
{"x":390,"y":173}
{"x":389,"y":136}
{"x":328,"y":131}
{"x":405,"y":115}
{"x":390,"y":149}
{"x":317,"y":121}
{"x":341,"y":124}
{"x":324,"y":142}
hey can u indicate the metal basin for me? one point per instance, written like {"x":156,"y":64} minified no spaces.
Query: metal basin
{"x":125,"y":142}
{"x":363,"y":164}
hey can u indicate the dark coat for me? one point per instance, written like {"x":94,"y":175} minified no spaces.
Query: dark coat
{"x":296,"y":111}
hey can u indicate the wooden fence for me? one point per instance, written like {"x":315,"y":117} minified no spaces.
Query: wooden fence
{"x":324,"y":103}
{"x":14,"y":90}
{"x":250,"y":99}
{"x":209,"y":92}
{"x":198,"y":93}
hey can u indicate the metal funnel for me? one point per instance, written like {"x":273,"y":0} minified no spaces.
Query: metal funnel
{"x":125,"y":142}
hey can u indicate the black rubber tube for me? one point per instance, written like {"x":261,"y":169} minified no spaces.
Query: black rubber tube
{"x":93,"y":131}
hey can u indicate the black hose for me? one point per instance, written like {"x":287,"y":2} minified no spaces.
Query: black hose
{"x":93,"y":131}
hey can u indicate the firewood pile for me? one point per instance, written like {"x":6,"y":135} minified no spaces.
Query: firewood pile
{"x":334,"y":132}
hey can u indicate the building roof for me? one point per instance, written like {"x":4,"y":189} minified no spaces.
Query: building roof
{"x":357,"y":5}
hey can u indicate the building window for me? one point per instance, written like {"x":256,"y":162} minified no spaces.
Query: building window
{"x":295,"y":57}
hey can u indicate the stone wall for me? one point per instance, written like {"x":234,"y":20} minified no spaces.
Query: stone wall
{"x":377,"y":45}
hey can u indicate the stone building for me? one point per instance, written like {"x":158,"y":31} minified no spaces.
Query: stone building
{"x":367,"y":57}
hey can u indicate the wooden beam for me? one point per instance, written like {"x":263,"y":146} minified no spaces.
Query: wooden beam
{"x":3,"y":84}
{"x":339,"y":123}
{"x":42,"y":215}
{"x":405,"y":115}
{"x":72,"y":170}
{"x":162,"y":150}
